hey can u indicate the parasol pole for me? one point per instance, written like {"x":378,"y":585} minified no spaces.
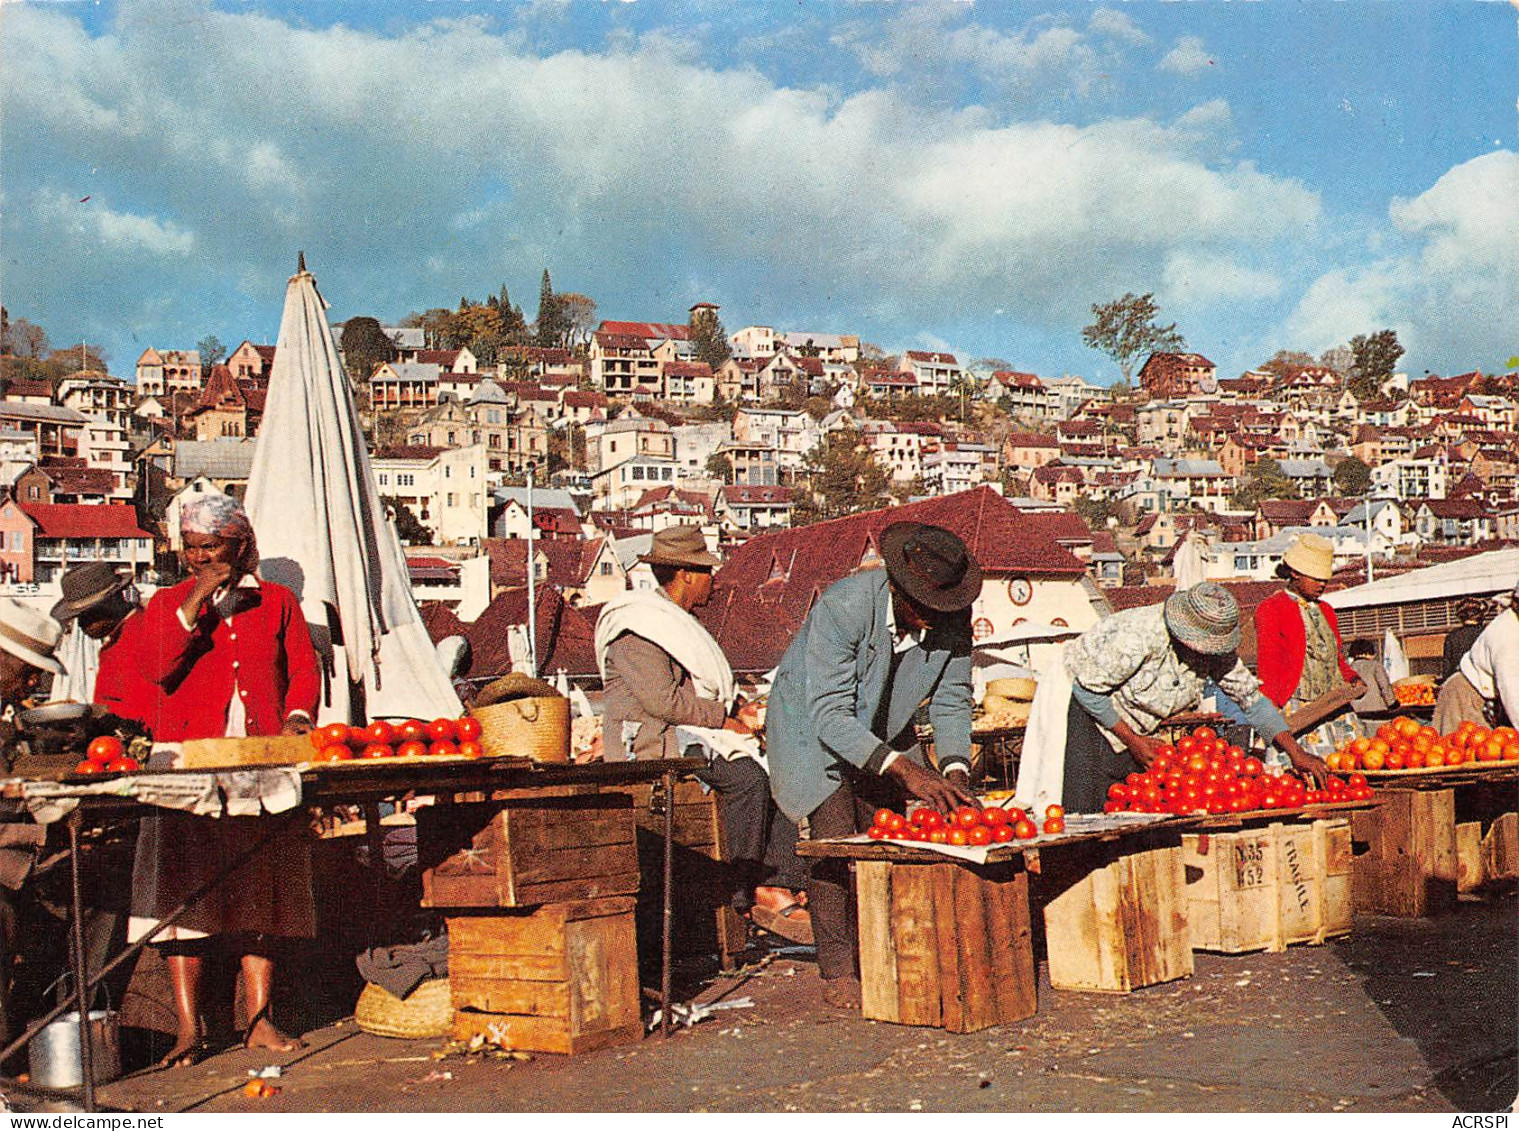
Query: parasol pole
{"x":532,"y":591}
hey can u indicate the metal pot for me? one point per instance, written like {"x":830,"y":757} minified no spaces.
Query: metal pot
{"x":57,"y":1060}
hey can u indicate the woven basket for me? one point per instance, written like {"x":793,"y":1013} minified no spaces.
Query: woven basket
{"x":536,"y":727}
{"x":427,"y":1012}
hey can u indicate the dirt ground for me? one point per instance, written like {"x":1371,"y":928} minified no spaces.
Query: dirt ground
{"x":1402,"y":1015}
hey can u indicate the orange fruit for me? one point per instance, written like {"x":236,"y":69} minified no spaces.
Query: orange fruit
{"x":1395,"y":760}
{"x":1379,"y":746}
{"x":1359,"y":746}
{"x":1477,"y":734}
{"x":1456,"y":756}
{"x":1374,"y":759}
{"x":1407,"y":727}
{"x":1422,"y":741}
{"x":1388,"y":733}
{"x":1511,"y":751}
{"x":1429,"y":732}
{"x":1490,"y":751}
{"x":1437,"y":757}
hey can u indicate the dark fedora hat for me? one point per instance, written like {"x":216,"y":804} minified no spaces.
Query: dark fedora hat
{"x":86,"y":586}
{"x":931,"y":565}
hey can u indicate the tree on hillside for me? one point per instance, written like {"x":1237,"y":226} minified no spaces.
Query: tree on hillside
{"x":843,"y":478}
{"x":1375,"y":357}
{"x":20,"y":338}
{"x":1284,"y":362}
{"x":212,"y":352}
{"x":1352,"y":476}
{"x":579,"y":318}
{"x":1338,"y":358}
{"x":1263,"y":479}
{"x":709,"y":339}
{"x":408,"y":529}
{"x":720,"y":467}
{"x":1125,"y":329}
{"x":552,"y":327}
{"x":365,"y":347}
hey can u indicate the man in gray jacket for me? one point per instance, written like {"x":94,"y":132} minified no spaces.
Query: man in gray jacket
{"x":839,"y":726}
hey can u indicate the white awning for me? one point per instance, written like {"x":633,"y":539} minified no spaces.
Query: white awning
{"x":1481,"y":574}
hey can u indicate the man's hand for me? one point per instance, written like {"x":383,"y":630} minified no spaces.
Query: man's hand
{"x":1302,"y":761}
{"x":737,"y":726}
{"x":926,"y":785}
{"x":1141,"y":746}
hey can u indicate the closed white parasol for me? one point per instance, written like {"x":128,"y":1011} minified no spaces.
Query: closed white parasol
{"x":323,"y":531}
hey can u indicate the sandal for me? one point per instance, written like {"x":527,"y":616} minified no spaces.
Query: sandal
{"x":792,"y":922}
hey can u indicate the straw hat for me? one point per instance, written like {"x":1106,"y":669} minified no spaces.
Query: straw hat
{"x":930,"y":565}
{"x":86,"y":586}
{"x":681,"y":546}
{"x":29,"y":635}
{"x":1311,"y":555}
{"x":1205,"y":618}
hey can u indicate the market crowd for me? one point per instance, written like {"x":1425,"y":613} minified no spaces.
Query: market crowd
{"x":225,"y":653}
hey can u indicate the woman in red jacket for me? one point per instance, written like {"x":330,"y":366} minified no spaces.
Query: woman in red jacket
{"x":1299,"y":656}
{"x":231,"y":656}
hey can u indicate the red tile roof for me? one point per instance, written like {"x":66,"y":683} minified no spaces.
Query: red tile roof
{"x":444,"y":358}
{"x":744,"y":495}
{"x":409,"y":451}
{"x":646,"y":331}
{"x":84,"y":520}
{"x":764,"y":591}
{"x":577,"y":398}
{"x":931,"y":357}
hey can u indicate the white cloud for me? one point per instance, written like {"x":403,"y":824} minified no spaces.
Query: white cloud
{"x":1199,"y":280}
{"x":1189,"y":57}
{"x":1450,"y":292}
{"x":1116,"y":25}
{"x":96,"y":227}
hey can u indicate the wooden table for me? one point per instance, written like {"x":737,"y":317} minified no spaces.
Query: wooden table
{"x":355,"y":784}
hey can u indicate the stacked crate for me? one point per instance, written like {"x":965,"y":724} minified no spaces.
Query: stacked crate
{"x":539,"y":894}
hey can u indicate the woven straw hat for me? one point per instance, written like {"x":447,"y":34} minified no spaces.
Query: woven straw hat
{"x":1311,"y":555}
{"x":1205,"y":618}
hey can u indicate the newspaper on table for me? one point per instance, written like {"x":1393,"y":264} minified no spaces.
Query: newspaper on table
{"x":215,"y":793}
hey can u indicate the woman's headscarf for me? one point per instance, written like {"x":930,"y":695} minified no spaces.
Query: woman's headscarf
{"x":223,"y":517}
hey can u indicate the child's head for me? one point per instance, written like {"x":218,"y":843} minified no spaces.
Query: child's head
{"x":1361,"y":649}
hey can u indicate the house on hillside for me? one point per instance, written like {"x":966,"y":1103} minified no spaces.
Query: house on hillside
{"x":936,"y":373}
{"x":754,"y":508}
{"x":65,"y":535}
{"x":1453,"y":522}
{"x":1167,"y":375}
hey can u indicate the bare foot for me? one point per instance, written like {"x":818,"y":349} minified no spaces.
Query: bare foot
{"x":187,"y":1052}
{"x":263,"y":1034}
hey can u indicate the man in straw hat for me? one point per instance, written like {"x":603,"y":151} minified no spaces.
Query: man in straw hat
{"x":28,"y":640}
{"x":663,"y":672}
{"x":1139,"y":667}
{"x":876,"y":645}
{"x":1299,"y":654}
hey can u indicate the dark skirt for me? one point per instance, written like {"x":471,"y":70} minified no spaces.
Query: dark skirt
{"x":1091,"y":763}
{"x":269,"y":894}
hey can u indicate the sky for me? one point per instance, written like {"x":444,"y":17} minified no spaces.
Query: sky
{"x":961,"y":176}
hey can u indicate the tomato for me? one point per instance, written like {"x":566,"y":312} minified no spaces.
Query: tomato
{"x":413,"y":730}
{"x":894,"y":822}
{"x":967,"y":817}
{"x":358,"y":737}
{"x":381,"y":732}
{"x":1356,"y":780}
{"x":468,"y":728}
{"x":1054,"y":811}
{"x":958,"y":836}
{"x":88,"y":767}
{"x":376,"y":750}
{"x":883,"y":816}
{"x":979,"y":835}
{"x":1118,"y":792}
{"x":1185,"y":746}
{"x":318,"y":737}
{"x":412,"y":749}
{"x":876,"y":832}
{"x":333,"y":754}
{"x":1253,"y":767}
{"x":1024,"y":830}
{"x":993,"y":815}
{"x":122,"y":765}
{"x":443,"y":749}
{"x":1112,"y":806}
{"x":1054,"y":825}
{"x":1197,"y":764}
{"x":1205,"y":733}
{"x":471,"y":749}
{"x":932,"y":819}
{"x":334,"y":734}
{"x":104,"y":749}
{"x":938,"y":836}
{"x":1001,"y":834}
{"x":441,"y":730}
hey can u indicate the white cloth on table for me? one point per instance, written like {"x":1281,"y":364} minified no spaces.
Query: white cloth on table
{"x":1041,"y":765}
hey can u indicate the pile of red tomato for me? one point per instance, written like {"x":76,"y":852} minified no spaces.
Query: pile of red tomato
{"x":1203,"y":773}
{"x":966,"y":826}
{"x":413,"y":738}
{"x":106,"y":755}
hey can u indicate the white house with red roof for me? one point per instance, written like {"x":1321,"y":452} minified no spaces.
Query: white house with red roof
{"x":64,"y":535}
{"x":934,"y":371}
{"x":445,"y":489}
{"x":743,"y":507}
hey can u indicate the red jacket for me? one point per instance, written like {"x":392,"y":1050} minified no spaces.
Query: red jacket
{"x":120,"y":686}
{"x":266,"y":648}
{"x":1281,"y":645}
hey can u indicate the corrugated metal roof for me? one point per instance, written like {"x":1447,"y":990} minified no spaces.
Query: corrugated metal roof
{"x":215,"y":459}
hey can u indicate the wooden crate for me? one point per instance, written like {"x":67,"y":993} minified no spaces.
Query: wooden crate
{"x":1264,"y":889}
{"x":1122,"y":924}
{"x":1405,"y":862}
{"x":946,"y":945}
{"x":1490,"y":857}
{"x":562,"y":978}
{"x":527,"y":851}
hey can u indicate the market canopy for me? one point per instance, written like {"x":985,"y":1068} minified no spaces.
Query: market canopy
{"x":1485,"y":574}
{"x":323,"y":531}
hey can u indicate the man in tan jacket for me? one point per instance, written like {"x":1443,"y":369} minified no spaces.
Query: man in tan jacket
{"x":649,"y":692}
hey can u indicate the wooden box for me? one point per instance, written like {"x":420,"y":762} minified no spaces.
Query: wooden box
{"x":562,"y":978}
{"x":232,"y":753}
{"x":1405,"y":863}
{"x":527,"y":851}
{"x":1121,"y":925}
{"x":1263,"y":889}
{"x":1490,"y":857}
{"x":946,"y":945}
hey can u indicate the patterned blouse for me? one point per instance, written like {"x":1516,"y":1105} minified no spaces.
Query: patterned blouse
{"x":1131,"y":659}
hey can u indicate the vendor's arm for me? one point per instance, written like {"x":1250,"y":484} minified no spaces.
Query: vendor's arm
{"x":1501,"y":639}
{"x":167,"y":638}
{"x":832,"y":688}
{"x":659,"y":684}
{"x":1267,"y":720}
{"x":1102,"y":660}
{"x":302,"y":669}
{"x":949,"y":710}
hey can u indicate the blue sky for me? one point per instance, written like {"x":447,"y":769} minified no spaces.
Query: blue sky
{"x":962,"y":176}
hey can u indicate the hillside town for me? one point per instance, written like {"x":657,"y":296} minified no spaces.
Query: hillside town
{"x":552,"y":460}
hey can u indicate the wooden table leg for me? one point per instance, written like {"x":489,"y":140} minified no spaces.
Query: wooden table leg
{"x":81,"y":975}
{"x":667,"y":908}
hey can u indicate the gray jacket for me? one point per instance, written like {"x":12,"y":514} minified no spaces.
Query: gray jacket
{"x":835,"y":700}
{"x":652,"y":694}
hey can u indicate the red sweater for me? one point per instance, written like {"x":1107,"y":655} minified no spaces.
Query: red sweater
{"x":119,"y":685}
{"x":1281,"y":646}
{"x":266,"y":649}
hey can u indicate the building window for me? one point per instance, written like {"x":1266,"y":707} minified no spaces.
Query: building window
{"x":637,"y":473}
{"x":606,"y":569}
{"x":450,"y":498}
